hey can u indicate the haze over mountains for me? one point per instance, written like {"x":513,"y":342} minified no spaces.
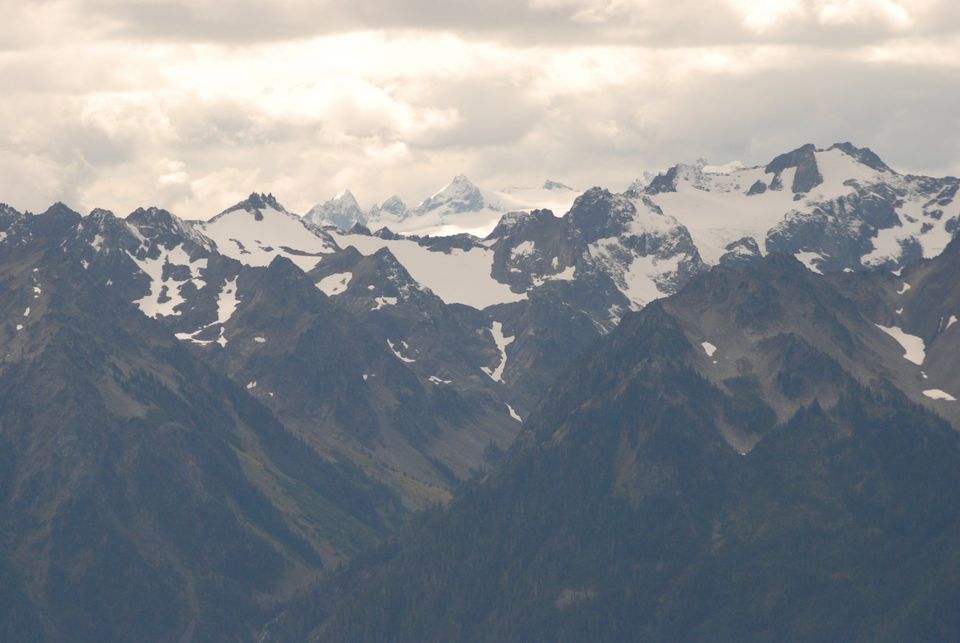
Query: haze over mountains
{"x":458,"y":207}
{"x":735,"y":391}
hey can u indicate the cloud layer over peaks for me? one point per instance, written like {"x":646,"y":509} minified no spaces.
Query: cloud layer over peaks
{"x":192,"y":104}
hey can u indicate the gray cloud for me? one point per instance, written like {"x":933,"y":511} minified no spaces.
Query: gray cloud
{"x":191,"y":105}
{"x":649,"y":22}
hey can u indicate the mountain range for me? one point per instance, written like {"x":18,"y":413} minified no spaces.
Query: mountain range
{"x":458,"y":207}
{"x":720,"y":404}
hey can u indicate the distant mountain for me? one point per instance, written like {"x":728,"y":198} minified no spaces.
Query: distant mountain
{"x":391,"y":212}
{"x":460,"y":195}
{"x":734,"y":462}
{"x":341,"y":211}
{"x":834,"y":209}
{"x":459,"y":207}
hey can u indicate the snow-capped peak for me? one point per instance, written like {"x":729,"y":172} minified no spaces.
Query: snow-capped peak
{"x":463,"y":207}
{"x":254,"y":204}
{"x":460,"y":195}
{"x":258,"y":229}
{"x":395,"y":205}
{"x":835,"y":201}
{"x":390,"y":212}
{"x":342,"y":211}
{"x":346,"y":198}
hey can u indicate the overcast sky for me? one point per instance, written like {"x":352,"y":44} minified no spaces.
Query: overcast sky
{"x":192,"y":104}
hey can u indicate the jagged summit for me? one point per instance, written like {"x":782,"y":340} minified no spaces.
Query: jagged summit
{"x":254,"y":204}
{"x":804,"y":161}
{"x":102,"y":214}
{"x":395,"y":206}
{"x":60,"y":208}
{"x":7,"y":210}
{"x":57,"y":215}
{"x":341,"y":211}
{"x":834,"y":208}
{"x":259,"y":228}
{"x":461,"y":206}
{"x":153,"y":216}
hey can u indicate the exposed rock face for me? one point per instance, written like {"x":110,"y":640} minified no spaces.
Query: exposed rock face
{"x":758,"y":187}
{"x":804,"y":161}
{"x":845,"y":208}
{"x":666,"y":182}
{"x":741,"y":253}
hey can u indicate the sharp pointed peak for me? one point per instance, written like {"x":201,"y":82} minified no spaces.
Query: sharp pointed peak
{"x":344,"y":195}
{"x":61,"y":209}
{"x":259,"y":201}
{"x":459,"y":182}
{"x":263,"y":200}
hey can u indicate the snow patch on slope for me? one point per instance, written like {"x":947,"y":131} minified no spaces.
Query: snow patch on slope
{"x":397,"y":354}
{"x":496,"y":374}
{"x":168,"y":288}
{"x":335,"y":284}
{"x":384,"y":301}
{"x":914,"y":349}
{"x":636,"y":275}
{"x":808,"y":258}
{"x":227,"y":301}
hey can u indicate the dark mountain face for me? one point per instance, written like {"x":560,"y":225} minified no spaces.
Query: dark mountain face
{"x":362,"y":387}
{"x":807,"y":175}
{"x":626,"y":511}
{"x":142,"y":495}
{"x":391,"y":380}
{"x":920,"y":304}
